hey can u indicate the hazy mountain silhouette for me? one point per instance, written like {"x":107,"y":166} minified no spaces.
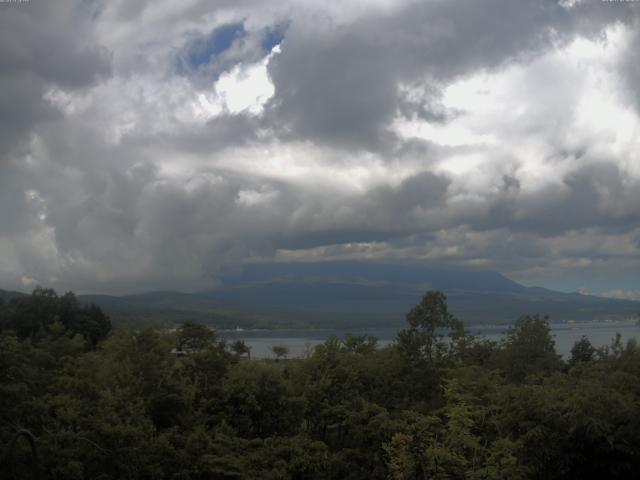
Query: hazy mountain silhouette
{"x":379,"y":293}
{"x":350,"y":294}
{"x":7,"y":295}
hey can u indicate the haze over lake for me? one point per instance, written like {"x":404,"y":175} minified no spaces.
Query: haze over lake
{"x":301,"y":342}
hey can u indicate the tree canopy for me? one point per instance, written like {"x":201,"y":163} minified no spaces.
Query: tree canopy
{"x":79,"y":400}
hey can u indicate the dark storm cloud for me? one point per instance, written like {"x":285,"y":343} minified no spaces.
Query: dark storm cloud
{"x":381,"y":214}
{"x":127,"y":183}
{"x":339,"y":85}
{"x":136,"y":225}
{"x":217,"y":134}
{"x":42,"y":43}
{"x":131,"y":10}
{"x":21,"y":107}
{"x":597,"y":194}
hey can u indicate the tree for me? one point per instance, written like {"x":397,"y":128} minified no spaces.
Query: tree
{"x":239,"y":347}
{"x":582,"y":351}
{"x":429,"y":322}
{"x":90,"y":322}
{"x":258,"y":402}
{"x":360,"y":343}
{"x":32,"y":316}
{"x":529,"y":348}
{"x":280,"y":351}
{"x":195,"y":336}
{"x":40,"y":315}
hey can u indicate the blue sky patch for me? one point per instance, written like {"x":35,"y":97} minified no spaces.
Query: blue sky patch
{"x":273,"y":37}
{"x":220,"y":40}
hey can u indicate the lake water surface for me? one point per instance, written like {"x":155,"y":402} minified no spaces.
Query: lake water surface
{"x":301,"y":342}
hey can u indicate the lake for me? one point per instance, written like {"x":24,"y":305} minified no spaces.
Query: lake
{"x":301,"y":342}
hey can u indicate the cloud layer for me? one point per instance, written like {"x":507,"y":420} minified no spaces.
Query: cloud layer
{"x":148,"y":145}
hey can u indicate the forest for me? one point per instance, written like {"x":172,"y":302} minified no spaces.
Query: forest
{"x":82,"y":400}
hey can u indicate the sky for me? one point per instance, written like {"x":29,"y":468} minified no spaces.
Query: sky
{"x":150,"y":145}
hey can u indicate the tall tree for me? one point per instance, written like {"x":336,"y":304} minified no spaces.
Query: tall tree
{"x":280,"y":351}
{"x":429,"y":322}
{"x":195,"y":336}
{"x":582,"y":351}
{"x":239,"y":347}
{"x":529,"y":348}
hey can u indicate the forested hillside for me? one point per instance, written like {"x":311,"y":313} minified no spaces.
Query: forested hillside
{"x":80,"y":400}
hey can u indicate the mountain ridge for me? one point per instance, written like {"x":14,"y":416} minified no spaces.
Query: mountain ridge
{"x":347,"y":294}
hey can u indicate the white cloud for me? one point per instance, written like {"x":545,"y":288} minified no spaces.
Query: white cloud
{"x":623,"y":294}
{"x":246,"y":88}
{"x":567,"y":100}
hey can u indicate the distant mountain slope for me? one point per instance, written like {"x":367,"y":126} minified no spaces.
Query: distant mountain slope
{"x":7,"y":295}
{"x":350,"y":292}
{"x":353,"y":294}
{"x":382,"y":274}
{"x":174,"y":307}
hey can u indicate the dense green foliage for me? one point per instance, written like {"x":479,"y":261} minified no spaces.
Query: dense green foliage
{"x":78,"y":401}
